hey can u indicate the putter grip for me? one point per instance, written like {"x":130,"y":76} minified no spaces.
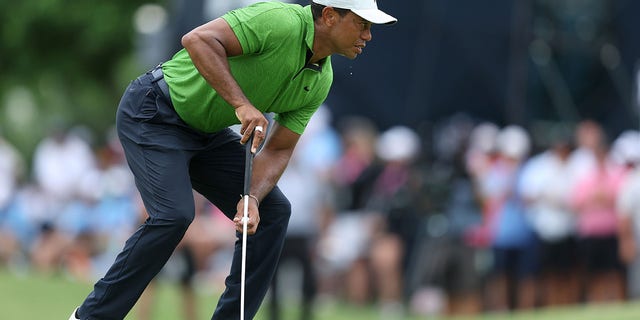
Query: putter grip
{"x":248,"y":168}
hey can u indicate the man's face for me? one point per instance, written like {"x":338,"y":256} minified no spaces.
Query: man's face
{"x":350,"y":35}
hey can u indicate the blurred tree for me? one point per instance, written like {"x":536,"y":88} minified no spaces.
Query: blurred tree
{"x":74,"y":57}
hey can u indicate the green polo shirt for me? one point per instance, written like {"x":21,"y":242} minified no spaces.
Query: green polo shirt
{"x":276,"y":40}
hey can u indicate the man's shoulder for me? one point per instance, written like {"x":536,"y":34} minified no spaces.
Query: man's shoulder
{"x":269,"y":15}
{"x":271,"y":7}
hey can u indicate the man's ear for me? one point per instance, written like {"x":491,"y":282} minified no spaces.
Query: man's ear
{"x":329,"y":16}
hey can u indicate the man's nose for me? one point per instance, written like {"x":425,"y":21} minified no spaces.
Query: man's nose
{"x":366,"y":35}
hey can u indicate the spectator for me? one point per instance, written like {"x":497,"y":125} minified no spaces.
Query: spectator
{"x":372,"y":265}
{"x":394,"y":236}
{"x":26,"y":220}
{"x":546,"y":187}
{"x":340,"y":264}
{"x":593,"y":199}
{"x":75,"y":227}
{"x":445,"y":267}
{"x":11,"y":172}
{"x":481,"y":157}
{"x":512,"y":281}
{"x":384,"y":222}
{"x":359,"y":137}
{"x":60,"y":163}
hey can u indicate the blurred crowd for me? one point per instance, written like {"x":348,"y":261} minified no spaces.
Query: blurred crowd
{"x":459,"y":217}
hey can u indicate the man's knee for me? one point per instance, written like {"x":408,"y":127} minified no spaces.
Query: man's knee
{"x":184,"y":219}
{"x":178,"y":220}
{"x":275,"y":210}
{"x":285,"y":208}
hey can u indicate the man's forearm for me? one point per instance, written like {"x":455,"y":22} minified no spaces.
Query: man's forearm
{"x":268,"y":166}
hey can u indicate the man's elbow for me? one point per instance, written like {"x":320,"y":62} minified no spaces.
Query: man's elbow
{"x":189,"y":39}
{"x":197,"y":40}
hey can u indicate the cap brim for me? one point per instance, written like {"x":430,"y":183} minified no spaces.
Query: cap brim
{"x":375,"y":16}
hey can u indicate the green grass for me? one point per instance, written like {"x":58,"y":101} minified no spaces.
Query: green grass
{"x":32,"y":296}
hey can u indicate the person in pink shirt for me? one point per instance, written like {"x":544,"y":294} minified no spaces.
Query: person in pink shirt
{"x":594,"y":201}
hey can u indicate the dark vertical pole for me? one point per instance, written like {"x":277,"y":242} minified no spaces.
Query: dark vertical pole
{"x":516,"y":100}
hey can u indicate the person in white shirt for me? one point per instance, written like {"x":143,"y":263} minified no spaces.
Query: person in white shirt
{"x":545,"y":186}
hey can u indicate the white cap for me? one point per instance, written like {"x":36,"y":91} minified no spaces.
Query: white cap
{"x":483,"y":137}
{"x":626,"y":148}
{"x":366,"y":9}
{"x":398,"y":143}
{"x":513,"y":141}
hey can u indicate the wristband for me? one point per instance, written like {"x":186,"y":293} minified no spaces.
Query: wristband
{"x":254,"y":198}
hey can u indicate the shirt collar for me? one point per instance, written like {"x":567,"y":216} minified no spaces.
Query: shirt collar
{"x":310,"y":29}
{"x":308,"y":39}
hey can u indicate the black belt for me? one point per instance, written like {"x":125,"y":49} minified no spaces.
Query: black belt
{"x":158,"y":78}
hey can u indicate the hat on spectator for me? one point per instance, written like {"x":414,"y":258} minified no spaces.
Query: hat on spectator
{"x":483,"y":137}
{"x":514,"y":142}
{"x":626,"y":148}
{"x":398,"y":143}
{"x":366,"y":9}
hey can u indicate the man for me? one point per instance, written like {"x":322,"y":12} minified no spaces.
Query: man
{"x":173,"y":124}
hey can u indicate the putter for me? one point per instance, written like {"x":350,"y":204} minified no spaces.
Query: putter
{"x":248,"y":160}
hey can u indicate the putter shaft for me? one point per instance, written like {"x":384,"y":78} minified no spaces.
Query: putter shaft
{"x":245,"y":219}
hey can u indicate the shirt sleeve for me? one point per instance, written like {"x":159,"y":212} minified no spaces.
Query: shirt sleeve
{"x":260,"y":26}
{"x":297,"y":120}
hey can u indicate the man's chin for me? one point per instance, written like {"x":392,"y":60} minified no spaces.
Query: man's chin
{"x":350,"y":56}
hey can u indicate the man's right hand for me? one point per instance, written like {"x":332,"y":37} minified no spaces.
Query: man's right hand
{"x":253,"y":121}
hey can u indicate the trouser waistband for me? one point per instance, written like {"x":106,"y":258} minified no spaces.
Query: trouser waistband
{"x":158,"y":79}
